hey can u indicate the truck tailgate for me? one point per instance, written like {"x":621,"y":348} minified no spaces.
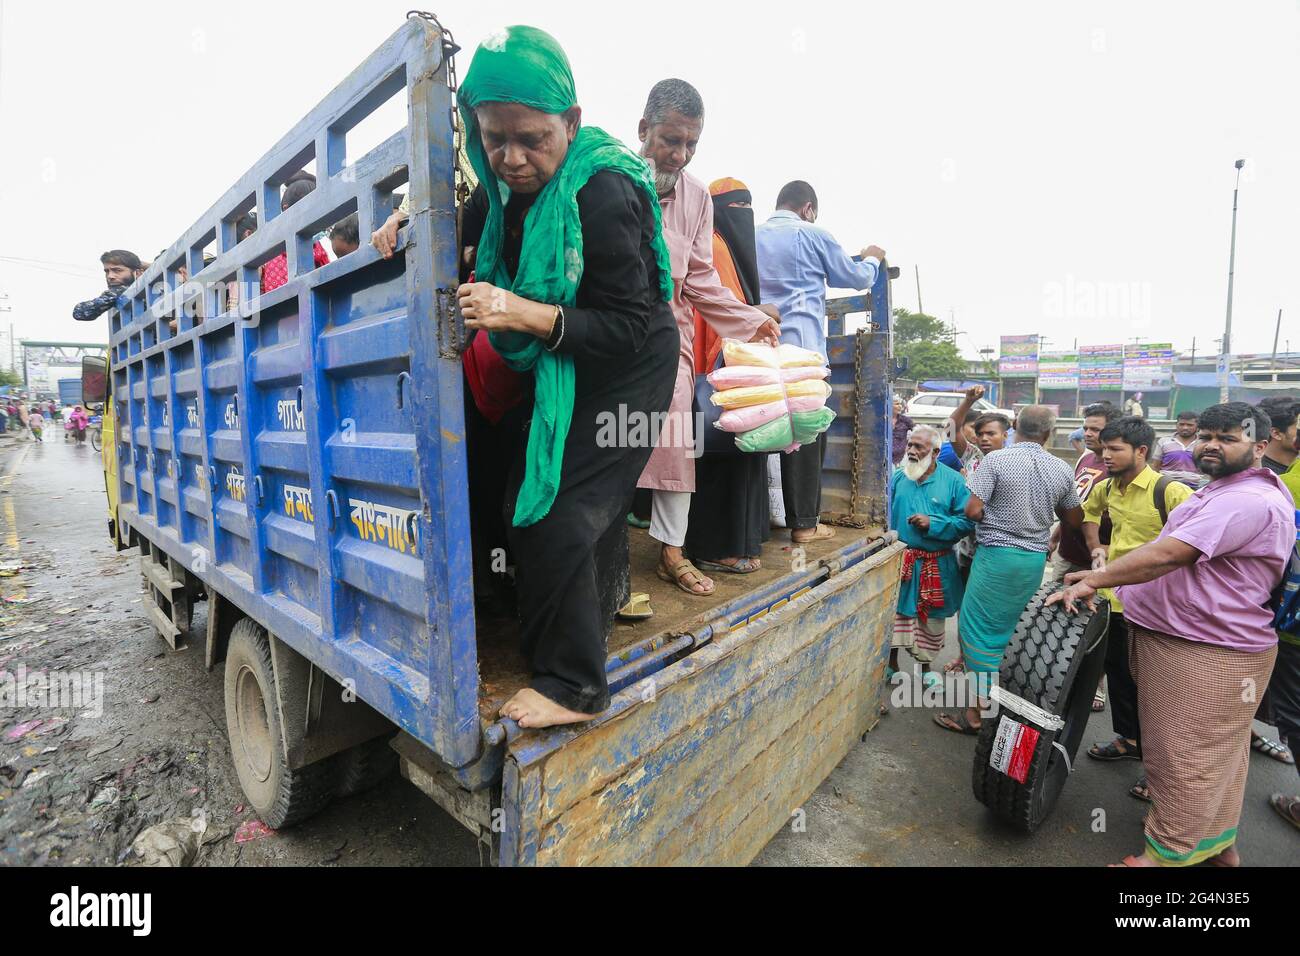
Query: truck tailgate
{"x":706,"y":760}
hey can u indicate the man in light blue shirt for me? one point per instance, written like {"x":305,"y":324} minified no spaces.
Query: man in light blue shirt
{"x":796,"y":262}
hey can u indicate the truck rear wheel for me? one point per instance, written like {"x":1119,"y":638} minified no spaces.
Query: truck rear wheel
{"x":281,"y":797}
{"x":1054,"y":660}
{"x":366,"y":765}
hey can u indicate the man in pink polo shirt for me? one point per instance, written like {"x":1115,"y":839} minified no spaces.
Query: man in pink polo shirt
{"x":1202,"y":642}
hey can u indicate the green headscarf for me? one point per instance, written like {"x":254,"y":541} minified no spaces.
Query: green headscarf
{"x":525,"y":65}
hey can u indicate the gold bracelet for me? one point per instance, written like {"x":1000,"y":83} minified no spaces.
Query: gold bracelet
{"x":559,"y":322}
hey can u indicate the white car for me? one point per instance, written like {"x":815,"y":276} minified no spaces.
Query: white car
{"x":940,"y":405}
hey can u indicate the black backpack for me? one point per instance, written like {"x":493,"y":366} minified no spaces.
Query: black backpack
{"x":1159,"y":496}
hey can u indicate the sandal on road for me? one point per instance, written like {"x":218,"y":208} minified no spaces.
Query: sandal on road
{"x":1141,"y":790}
{"x":1117,"y":749}
{"x":1099,"y":702}
{"x":958,"y":724}
{"x":679,"y":573}
{"x":1288,"y":808}
{"x":742,"y":566}
{"x":1271,"y":748}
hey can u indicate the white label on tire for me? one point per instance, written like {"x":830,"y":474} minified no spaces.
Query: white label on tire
{"x":1013,"y":749}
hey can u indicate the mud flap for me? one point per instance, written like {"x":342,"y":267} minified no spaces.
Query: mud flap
{"x":318,"y":716}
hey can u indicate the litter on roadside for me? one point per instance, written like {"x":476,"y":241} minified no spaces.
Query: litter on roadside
{"x":36,"y":776}
{"x":22,"y":730}
{"x":251,"y":830}
{"x":173,"y":842}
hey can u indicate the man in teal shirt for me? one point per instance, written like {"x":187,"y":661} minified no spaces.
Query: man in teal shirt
{"x":928,"y":510}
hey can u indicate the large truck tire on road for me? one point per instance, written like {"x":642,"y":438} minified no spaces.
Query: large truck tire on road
{"x":1054,"y":662}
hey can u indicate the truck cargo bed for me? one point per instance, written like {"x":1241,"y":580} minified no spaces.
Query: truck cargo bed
{"x":503,"y":670}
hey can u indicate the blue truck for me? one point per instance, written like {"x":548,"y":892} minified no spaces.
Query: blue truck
{"x":69,"y":392}
{"x":294,"y":461}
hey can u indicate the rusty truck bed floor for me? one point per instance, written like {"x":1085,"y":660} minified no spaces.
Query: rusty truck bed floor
{"x":502,"y":669}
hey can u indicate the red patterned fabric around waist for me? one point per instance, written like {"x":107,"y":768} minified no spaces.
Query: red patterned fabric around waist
{"x":930,"y":595}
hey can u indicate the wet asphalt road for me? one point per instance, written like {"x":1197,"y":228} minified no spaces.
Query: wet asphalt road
{"x":78,"y":788}
{"x":158,"y":751}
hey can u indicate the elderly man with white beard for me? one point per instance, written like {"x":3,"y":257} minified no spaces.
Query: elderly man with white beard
{"x":928,"y":511}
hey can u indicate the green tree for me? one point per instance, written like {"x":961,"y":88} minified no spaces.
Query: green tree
{"x":925,"y":341}
{"x":10,"y":378}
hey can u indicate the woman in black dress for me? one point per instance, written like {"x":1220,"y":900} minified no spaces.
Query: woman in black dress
{"x":730,"y":517}
{"x":580,"y":302}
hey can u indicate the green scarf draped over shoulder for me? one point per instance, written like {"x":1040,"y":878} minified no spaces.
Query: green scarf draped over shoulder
{"x":525,"y":65}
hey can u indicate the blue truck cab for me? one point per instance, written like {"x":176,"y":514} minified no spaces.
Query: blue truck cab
{"x":296,"y":461}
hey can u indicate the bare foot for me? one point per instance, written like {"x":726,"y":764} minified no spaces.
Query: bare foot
{"x":1135,"y":861}
{"x":1228,"y":858}
{"x":530,"y":709}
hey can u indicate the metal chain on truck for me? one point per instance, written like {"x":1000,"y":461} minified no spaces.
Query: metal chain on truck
{"x":852,"y":519}
{"x":451,"y":343}
{"x":451,"y":340}
{"x":465,"y":178}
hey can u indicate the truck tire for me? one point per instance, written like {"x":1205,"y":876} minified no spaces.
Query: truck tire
{"x":281,"y":797}
{"x":366,"y":765}
{"x":1054,"y":660}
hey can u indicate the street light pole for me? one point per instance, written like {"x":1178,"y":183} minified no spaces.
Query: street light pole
{"x":1226,"y":351}
{"x":1277,"y":330}
{"x":1038,"y":393}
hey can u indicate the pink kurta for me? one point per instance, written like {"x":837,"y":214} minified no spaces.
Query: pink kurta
{"x":688,"y":230}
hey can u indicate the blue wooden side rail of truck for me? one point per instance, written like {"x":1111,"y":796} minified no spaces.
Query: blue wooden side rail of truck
{"x":297,"y":460}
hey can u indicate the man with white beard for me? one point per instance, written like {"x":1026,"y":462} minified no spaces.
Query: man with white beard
{"x":928,"y":511}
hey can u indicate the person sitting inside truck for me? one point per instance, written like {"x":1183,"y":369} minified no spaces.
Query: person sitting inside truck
{"x":276,"y":272}
{"x":573,"y":287}
{"x":245,"y":226}
{"x":121,"y":268}
{"x":345,"y":236}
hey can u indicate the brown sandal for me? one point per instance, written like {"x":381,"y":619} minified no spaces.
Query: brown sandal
{"x":1287,"y":808}
{"x":958,"y":724}
{"x":821,"y":532}
{"x":679,"y":571}
{"x":637,"y":609}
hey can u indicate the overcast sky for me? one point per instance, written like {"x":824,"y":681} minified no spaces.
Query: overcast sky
{"x":1058,"y":168}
